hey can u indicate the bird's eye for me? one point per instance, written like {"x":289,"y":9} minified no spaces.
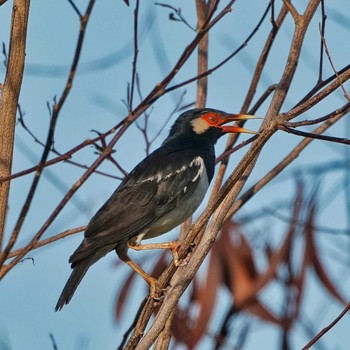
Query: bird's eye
{"x":212,"y":119}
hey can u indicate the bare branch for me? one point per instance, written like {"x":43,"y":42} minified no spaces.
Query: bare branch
{"x":315,"y":136}
{"x":178,"y":13}
{"x":227,"y":194}
{"x":338,"y":111}
{"x":312,"y":101}
{"x":223,"y":62}
{"x":323,"y":27}
{"x":136,"y":51}
{"x":75,"y":8}
{"x":292,"y":10}
{"x":49,"y":240}
{"x":332,"y":65}
{"x":280,"y":166}
{"x":55,"y":113}
{"x":157,"y":91}
{"x":9,"y":102}
{"x":326,"y":329}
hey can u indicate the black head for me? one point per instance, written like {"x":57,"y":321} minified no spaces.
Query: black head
{"x":205,"y":125}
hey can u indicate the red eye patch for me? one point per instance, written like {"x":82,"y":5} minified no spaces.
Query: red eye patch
{"x":211,"y":118}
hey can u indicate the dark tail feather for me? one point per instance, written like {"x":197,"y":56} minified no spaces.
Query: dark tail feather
{"x":75,"y":278}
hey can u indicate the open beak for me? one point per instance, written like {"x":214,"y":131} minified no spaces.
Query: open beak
{"x":235,"y":128}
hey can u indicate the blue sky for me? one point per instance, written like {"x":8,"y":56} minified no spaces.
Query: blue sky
{"x":29,"y":292}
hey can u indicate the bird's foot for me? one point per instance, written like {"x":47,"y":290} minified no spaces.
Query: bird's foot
{"x":155,"y":292}
{"x":175,"y":251}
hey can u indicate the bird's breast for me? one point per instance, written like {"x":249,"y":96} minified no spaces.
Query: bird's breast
{"x":183,"y":210}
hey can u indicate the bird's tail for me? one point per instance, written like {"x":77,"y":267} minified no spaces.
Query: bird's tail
{"x":79,"y":271}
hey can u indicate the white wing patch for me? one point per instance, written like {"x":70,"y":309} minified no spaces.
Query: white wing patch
{"x":198,"y":161}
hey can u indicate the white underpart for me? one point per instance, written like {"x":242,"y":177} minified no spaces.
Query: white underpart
{"x":199,"y":125}
{"x":139,"y":238}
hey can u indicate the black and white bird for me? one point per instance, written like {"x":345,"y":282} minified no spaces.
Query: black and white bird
{"x":159,"y":194}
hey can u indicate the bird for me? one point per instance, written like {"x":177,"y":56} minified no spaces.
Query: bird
{"x":159,"y":194}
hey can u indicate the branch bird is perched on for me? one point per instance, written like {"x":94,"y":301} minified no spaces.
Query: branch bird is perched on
{"x":159,"y":194}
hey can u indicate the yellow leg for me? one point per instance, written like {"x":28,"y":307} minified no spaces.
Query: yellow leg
{"x":122,"y":254}
{"x":172,"y":246}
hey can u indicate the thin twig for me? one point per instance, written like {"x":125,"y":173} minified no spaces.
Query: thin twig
{"x":177,"y":107}
{"x":178,"y":13}
{"x":64,"y":157}
{"x":323,"y":27}
{"x":53,"y":341}
{"x":321,"y":119}
{"x":315,"y":136}
{"x":250,"y":95}
{"x":136,"y":52}
{"x":332,"y":65}
{"x":55,"y":113}
{"x":319,"y":85}
{"x":326,"y":329}
{"x":312,"y":101}
{"x":280,"y":166}
{"x":154,"y":94}
{"x":224,"y":61}
{"x":49,"y":240}
{"x":227,"y":153}
{"x":75,"y":8}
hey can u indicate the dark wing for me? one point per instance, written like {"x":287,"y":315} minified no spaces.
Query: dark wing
{"x":145,"y":195}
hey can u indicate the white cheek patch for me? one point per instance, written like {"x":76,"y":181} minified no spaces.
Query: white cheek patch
{"x":199,"y":125}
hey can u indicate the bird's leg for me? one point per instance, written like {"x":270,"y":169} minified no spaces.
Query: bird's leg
{"x":152,"y":282}
{"x":172,"y":246}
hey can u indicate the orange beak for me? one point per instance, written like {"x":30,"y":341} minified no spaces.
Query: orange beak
{"x":235,"y":128}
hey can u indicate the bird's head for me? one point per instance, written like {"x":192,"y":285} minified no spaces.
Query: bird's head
{"x":207,"y":124}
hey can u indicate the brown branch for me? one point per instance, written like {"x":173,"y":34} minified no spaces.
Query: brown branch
{"x":319,"y":120}
{"x":75,"y":8}
{"x":202,"y":58}
{"x":9,"y":100}
{"x":332,"y":65}
{"x":178,"y":13}
{"x":227,"y":153}
{"x":292,"y":10}
{"x":312,"y":101}
{"x":315,"y":136}
{"x":64,"y":157}
{"x":323,"y":28}
{"x":157,"y":91}
{"x":47,"y":241}
{"x":320,"y":84}
{"x":250,"y":95}
{"x":55,"y":113}
{"x":224,"y":61}
{"x":54,"y":151}
{"x":281,"y":166}
{"x":164,"y":338}
{"x":229,"y":192}
{"x":136,"y":52}
{"x":326,"y":329}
